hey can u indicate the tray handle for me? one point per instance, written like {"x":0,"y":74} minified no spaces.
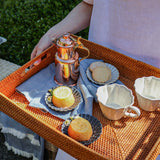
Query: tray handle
{"x":42,"y":59}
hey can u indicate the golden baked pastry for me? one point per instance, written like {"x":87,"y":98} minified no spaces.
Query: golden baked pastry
{"x":95,"y":65}
{"x":101,"y":74}
{"x":80,"y":129}
{"x":63,"y":97}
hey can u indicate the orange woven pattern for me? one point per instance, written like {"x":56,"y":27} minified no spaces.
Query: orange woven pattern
{"x":124,"y":139}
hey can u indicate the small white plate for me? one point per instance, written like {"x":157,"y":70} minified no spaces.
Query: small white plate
{"x":76,"y":95}
{"x":114,"y":73}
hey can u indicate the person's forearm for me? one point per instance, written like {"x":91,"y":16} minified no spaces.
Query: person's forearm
{"x":77,"y":20}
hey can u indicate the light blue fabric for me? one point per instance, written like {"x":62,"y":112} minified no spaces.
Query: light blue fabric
{"x":91,"y":87}
{"x":37,"y":86}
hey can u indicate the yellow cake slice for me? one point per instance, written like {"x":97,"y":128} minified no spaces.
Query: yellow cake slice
{"x":80,"y":129}
{"x":63,"y":97}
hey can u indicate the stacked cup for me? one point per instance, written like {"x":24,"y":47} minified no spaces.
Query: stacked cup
{"x":116,"y":101}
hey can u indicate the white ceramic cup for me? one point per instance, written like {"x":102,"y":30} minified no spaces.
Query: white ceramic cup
{"x":116,"y":101}
{"x":148,"y":92}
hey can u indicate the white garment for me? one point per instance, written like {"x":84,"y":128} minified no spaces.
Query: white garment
{"x":88,"y":1}
{"x":61,"y":155}
{"x":129,"y":27}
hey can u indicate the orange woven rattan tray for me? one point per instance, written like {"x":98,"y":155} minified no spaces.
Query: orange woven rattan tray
{"x":124,"y":139}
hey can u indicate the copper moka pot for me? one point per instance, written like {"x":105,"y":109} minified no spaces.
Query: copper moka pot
{"x":67,"y":60}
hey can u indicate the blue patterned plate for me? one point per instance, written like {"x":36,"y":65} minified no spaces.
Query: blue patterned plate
{"x":114,"y":73}
{"x":95,"y":123}
{"x":76,"y":94}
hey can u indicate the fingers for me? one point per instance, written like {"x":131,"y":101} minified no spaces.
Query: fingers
{"x":36,"y":63}
{"x":36,"y":51}
{"x":43,"y":44}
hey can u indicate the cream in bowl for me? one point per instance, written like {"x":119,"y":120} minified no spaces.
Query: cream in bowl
{"x":148,"y":92}
{"x":116,"y":101}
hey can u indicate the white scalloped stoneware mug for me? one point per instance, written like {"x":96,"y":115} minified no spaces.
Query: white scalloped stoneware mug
{"x":116,"y":101}
{"x":148,"y":92}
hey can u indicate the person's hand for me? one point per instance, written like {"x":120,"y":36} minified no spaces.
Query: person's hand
{"x":43,"y":44}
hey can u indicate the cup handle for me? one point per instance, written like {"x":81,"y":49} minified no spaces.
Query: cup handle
{"x":134,"y":115}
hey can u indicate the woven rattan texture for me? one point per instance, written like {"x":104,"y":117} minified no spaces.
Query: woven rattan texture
{"x":124,"y":139}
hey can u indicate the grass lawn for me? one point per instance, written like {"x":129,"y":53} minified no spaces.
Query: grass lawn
{"x":23,"y":22}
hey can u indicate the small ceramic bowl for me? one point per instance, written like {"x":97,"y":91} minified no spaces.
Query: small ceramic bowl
{"x":116,"y":101}
{"x":148,"y":92}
